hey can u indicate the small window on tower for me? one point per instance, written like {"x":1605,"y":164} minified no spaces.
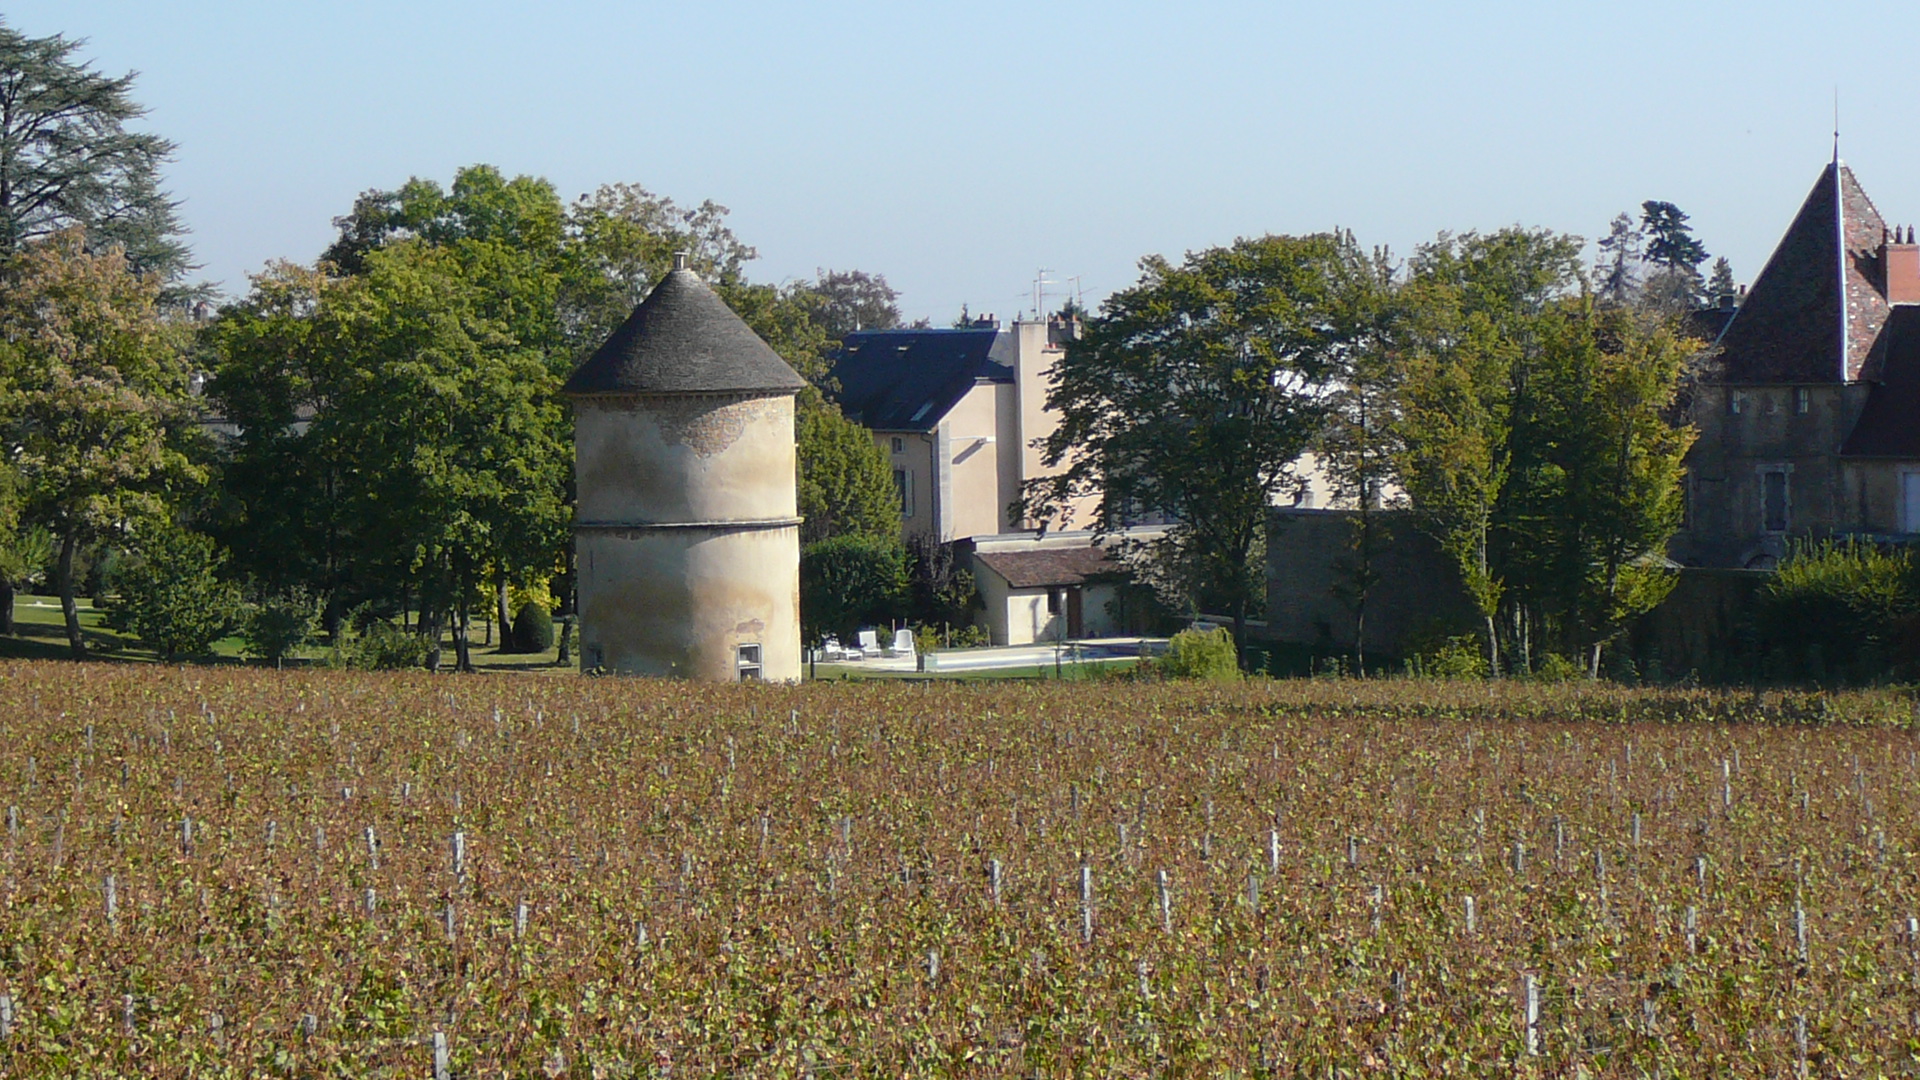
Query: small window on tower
{"x":899,"y":445}
{"x":1802,"y":400}
{"x":747,"y":662}
{"x":1736,"y":404}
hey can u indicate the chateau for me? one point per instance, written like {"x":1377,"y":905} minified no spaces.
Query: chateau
{"x":1809,"y":409}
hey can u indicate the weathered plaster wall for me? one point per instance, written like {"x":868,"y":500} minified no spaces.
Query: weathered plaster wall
{"x":684,"y":458}
{"x":686,"y":540}
{"x":677,"y":602}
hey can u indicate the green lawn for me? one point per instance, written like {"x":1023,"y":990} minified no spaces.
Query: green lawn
{"x":40,"y":633}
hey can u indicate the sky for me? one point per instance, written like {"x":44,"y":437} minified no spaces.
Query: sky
{"x":960,"y":149}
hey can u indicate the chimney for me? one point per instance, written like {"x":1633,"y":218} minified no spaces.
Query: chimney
{"x":1901,"y":266}
{"x":679,"y":260}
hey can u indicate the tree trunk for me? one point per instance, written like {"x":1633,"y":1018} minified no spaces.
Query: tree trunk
{"x":506,"y":617}
{"x":462,"y":648}
{"x":1593,"y":665}
{"x":566,"y":641}
{"x":6,"y":607}
{"x":1240,"y":631}
{"x":1360,"y":637}
{"x":429,"y":624}
{"x":69,"y":610}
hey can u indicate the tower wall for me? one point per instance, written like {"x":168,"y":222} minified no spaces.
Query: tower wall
{"x":687,"y":539}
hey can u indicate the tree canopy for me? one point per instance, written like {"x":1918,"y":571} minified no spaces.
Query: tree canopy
{"x":68,"y":161}
{"x":1194,"y":392}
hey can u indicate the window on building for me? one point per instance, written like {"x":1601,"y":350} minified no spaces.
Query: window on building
{"x":747,"y":662}
{"x":899,"y":445}
{"x":1736,"y":404}
{"x":1053,"y":601}
{"x":903,"y":487}
{"x":1802,"y":400}
{"x":1773,"y":500}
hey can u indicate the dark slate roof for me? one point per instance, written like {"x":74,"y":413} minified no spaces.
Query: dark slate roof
{"x":1789,"y":329}
{"x":1889,"y":424}
{"x":1050,"y":566}
{"x":683,"y":339}
{"x":906,"y":380}
{"x":1707,"y":324}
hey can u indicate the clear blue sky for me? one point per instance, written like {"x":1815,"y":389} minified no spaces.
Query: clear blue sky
{"x":957,"y":148}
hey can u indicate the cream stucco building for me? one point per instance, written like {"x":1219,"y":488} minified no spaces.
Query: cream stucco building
{"x":686,"y":531}
{"x":957,"y":412}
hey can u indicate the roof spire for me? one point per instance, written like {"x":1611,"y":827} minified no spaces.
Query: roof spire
{"x":1836,"y":125}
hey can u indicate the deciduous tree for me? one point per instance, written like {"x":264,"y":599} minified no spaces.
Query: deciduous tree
{"x":1193,"y":393}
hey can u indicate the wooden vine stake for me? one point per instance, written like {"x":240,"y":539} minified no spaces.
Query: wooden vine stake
{"x":6,"y":1017}
{"x":442,"y":1068}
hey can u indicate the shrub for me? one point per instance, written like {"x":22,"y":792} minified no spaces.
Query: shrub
{"x":377,"y":645}
{"x":1457,"y":657}
{"x":1555,"y":667}
{"x":532,"y":628}
{"x":169,"y":595}
{"x":276,"y":626}
{"x":1201,"y":654}
{"x":1839,"y":610}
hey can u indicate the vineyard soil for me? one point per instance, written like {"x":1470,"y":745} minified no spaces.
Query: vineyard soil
{"x":234,"y":872}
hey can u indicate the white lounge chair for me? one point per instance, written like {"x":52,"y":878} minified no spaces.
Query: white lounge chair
{"x":902,"y":643}
{"x":870,"y":643}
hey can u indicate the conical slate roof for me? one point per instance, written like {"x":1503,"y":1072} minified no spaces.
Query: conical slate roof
{"x":683,"y":339}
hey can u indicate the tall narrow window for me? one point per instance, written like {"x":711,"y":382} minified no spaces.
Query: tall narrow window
{"x":747,"y":662}
{"x":899,"y":445}
{"x":1773,"y":501}
{"x":903,"y":487}
{"x":1802,"y":400}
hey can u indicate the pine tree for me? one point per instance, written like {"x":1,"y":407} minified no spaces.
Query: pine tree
{"x":1720,"y":284}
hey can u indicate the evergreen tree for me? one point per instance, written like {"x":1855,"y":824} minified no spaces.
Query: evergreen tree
{"x":1720,"y":283}
{"x":67,"y":159}
{"x":1675,"y":255}
{"x":1617,"y":270}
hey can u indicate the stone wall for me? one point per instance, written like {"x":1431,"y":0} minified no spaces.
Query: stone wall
{"x":1310,"y":567}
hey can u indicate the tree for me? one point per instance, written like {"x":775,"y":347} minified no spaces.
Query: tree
{"x":1358,"y":444}
{"x":1472,"y":308}
{"x":1607,"y":382}
{"x":67,"y":160}
{"x":100,"y":379}
{"x":1194,"y":392}
{"x":846,"y":482}
{"x":1617,"y":269}
{"x":850,"y":581}
{"x":1720,"y":285}
{"x":851,"y":300}
{"x":169,"y":594}
{"x":442,"y":427}
{"x":1675,"y":255}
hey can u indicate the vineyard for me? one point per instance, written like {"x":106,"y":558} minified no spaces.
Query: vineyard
{"x":229,"y":872}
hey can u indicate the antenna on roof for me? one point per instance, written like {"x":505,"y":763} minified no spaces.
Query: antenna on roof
{"x":1836,"y":124}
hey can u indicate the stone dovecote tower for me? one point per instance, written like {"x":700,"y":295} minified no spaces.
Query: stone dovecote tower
{"x":686,"y":530}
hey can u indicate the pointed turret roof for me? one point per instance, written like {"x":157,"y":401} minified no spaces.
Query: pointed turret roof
{"x":683,"y":339}
{"x":1815,"y":311}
